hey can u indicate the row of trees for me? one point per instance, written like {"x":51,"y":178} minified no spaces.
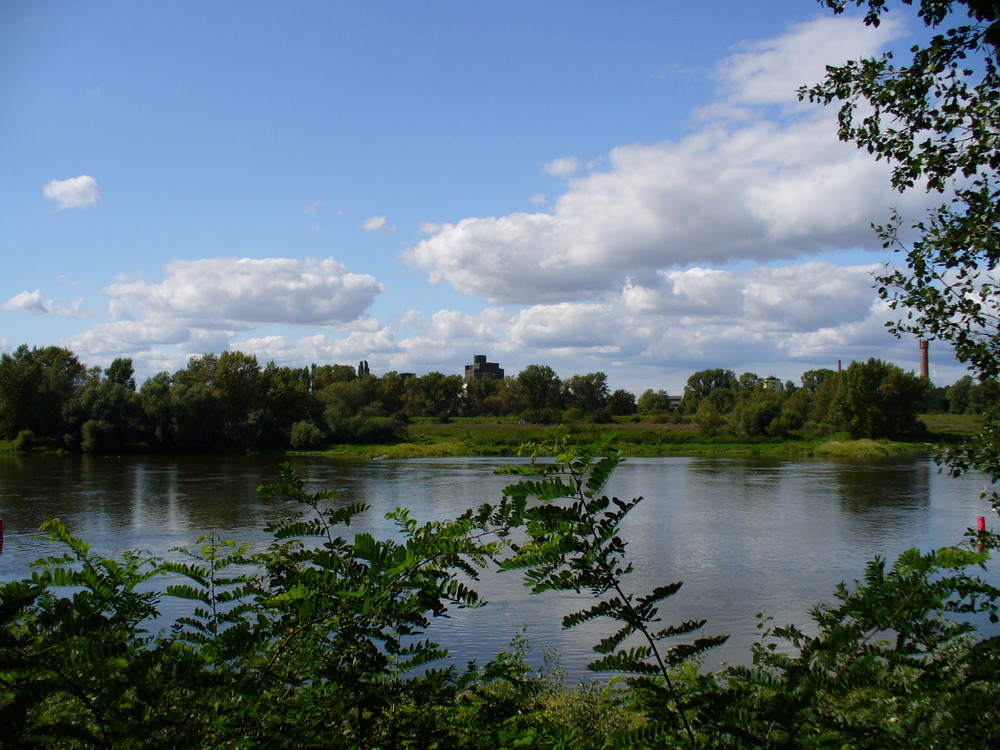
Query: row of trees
{"x":873,"y":399}
{"x":231,"y":401}
{"x":225,"y":400}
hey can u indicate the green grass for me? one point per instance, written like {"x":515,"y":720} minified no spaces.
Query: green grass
{"x":962,"y":425}
{"x":503,"y":436}
{"x":867,"y":448}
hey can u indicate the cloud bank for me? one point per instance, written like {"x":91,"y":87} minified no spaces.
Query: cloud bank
{"x":243,"y":293}
{"x":763,"y":179}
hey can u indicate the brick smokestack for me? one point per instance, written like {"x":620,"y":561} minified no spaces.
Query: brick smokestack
{"x":924,"y":369}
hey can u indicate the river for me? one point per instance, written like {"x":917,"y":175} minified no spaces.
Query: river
{"x":744,"y":535}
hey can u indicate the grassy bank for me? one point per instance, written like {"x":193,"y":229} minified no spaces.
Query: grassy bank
{"x":502,"y":437}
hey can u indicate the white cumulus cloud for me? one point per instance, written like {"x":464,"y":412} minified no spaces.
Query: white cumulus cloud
{"x":321,"y":348}
{"x":242,"y":293}
{"x":122,"y":336}
{"x":811,"y":312}
{"x":28,"y":302}
{"x":769,"y":71}
{"x":33,"y":304}
{"x":748,"y":188}
{"x":799,"y":297}
{"x":75,"y":192}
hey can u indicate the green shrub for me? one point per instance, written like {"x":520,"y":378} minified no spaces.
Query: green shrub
{"x":98,"y":435}
{"x":756,"y":419}
{"x":25,"y":441}
{"x":305,"y":435}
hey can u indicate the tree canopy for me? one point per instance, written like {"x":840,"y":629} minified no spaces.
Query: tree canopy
{"x":876,"y":399}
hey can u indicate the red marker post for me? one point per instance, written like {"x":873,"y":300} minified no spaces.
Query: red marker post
{"x":981,"y":526}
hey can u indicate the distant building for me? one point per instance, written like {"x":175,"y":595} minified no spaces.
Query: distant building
{"x":772,"y":384}
{"x":480,"y":369}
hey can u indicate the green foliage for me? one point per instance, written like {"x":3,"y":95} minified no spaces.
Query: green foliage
{"x":702,"y":384}
{"x":958,"y":395}
{"x":121,"y":372}
{"x":933,"y":114}
{"x":541,"y":388}
{"x":226,"y":402}
{"x":573,"y":544}
{"x":708,"y":418}
{"x":35,"y":385}
{"x":876,"y":399}
{"x":276,"y":642}
{"x":588,"y":393}
{"x":885,"y":669}
{"x":761,"y":417}
{"x":814,"y":380}
{"x":25,"y":441}
{"x":324,"y":375}
{"x":198,"y":416}
{"x":319,"y":640}
{"x":105,"y":414}
{"x":434,"y":394}
{"x":653,"y":402}
{"x":621,"y":403}
{"x":305,"y":435}
{"x":286,"y":397}
{"x":79,"y":670}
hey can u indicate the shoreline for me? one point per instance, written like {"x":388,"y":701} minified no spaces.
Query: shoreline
{"x":471,"y":437}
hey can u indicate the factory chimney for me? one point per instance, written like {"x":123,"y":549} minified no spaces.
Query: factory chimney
{"x":924,"y":369}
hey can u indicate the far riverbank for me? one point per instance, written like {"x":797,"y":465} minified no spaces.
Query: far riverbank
{"x":504,"y":436}
{"x":458,"y":437}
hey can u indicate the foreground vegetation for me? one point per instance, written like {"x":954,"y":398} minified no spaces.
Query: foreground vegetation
{"x":319,"y":641}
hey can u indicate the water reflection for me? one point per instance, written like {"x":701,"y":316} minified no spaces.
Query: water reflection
{"x":866,"y":488}
{"x":743,"y":534}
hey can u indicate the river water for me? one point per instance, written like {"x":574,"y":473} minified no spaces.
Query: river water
{"x":744,"y":535}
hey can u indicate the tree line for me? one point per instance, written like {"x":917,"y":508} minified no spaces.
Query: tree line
{"x":870,"y":399}
{"x":230,"y":401}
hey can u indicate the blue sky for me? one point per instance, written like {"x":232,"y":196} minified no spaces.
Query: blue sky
{"x":630,"y":188}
